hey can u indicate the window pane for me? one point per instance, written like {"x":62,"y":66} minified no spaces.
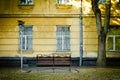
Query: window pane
{"x":29,"y":2}
{"x":29,"y":43}
{"x":59,"y":39}
{"x":117,"y":43}
{"x":28,"y":31}
{"x":66,"y":44}
{"x":22,"y":1}
{"x":59,"y":44}
{"x":23,"y":43}
{"x":66,"y":39}
{"x":110,"y":43}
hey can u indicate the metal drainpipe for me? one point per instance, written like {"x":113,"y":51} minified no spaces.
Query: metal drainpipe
{"x":21,"y":24}
{"x":81,"y":35}
{"x":21,"y":51}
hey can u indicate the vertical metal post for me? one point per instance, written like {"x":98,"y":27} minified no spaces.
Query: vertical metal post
{"x":21,"y":25}
{"x":81,"y":35}
{"x":21,"y":49}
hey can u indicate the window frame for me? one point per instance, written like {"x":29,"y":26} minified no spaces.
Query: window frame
{"x":114,"y":42}
{"x":62,"y":37}
{"x":23,"y":36}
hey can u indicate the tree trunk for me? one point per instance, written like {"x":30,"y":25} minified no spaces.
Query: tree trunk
{"x":102,"y":31}
{"x":101,"y":59}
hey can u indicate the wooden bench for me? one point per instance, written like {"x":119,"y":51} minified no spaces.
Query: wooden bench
{"x":54,"y":60}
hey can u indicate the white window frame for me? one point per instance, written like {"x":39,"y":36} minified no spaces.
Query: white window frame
{"x":25,"y":36}
{"x":27,"y":2}
{"x":114,"y":42}
{"x":62,"y":1}
{"x":63,"y":40}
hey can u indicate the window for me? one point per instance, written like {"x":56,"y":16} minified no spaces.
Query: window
{"x":101,"y":1}
{"x":113,"y":39}
{"x":63,"y":38}
{"x":25,"y":38}
{"x":26,"y":2}
{"x":62,"y":1}
{"x":113,"y":42}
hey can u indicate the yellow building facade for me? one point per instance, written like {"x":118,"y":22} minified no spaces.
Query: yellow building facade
{"x":48,"y":20}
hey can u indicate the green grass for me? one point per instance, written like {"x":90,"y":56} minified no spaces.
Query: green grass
{"x":82,"y":74}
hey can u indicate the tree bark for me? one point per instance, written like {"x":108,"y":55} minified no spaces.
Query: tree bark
{"x":101,"y":59}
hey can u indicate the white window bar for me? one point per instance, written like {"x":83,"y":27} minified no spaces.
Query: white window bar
{"x":63,"y":42}
{"x":114,"y":43}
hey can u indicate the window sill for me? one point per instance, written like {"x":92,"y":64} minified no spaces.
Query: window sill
{"x":25,"y":6}
{"x":63,"y":6}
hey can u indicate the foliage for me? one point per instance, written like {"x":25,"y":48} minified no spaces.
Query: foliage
{"x":114,"y":31}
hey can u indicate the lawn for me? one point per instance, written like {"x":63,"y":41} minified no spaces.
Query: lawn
{"x":80,"y":74}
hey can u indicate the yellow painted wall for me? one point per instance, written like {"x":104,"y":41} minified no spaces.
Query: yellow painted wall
{"x":44,"y":15}
{"x":44,"y":35}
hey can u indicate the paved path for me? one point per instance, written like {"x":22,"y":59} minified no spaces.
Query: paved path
{"x":63,"y":69}
{"x":51,"y":69}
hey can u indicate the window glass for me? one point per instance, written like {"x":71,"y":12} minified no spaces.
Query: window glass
{"x":117,"y":43}
{"x":110,"y":43}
